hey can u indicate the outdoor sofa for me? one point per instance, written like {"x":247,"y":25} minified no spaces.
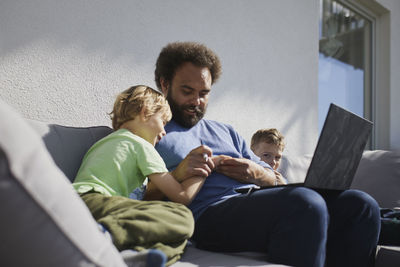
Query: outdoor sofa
{"x":45,"y":223}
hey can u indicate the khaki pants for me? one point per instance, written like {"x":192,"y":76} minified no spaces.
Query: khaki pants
{"x":139,"y":225}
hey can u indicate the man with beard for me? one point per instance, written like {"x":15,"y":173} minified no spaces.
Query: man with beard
{"x":289,"y":224}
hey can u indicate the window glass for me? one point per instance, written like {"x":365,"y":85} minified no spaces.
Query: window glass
{"x":344,"y":60}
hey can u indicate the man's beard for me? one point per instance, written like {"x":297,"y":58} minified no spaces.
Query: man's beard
{"x":179,"y":116}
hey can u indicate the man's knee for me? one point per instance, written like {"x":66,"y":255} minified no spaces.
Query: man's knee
{"x":360,"y":198}
{"x":308,"y":206}
{"x":311,"y":209}
{"x":307,"y":199}
{"x":360,"y":203}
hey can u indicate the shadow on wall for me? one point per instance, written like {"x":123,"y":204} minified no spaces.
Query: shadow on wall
{"x":135,"y":31}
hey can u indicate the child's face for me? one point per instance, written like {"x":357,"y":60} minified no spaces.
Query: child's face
{"x":152,"y":128}
{"x":269,"y":153}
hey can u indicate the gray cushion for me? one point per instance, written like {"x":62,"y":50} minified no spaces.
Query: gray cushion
{"x":43,"y":221}
{"x":294,"y":168}
{"x":197,"y":257}
{"x":67,"y":145}
{"x":388,"y":256}
{"x":378,"y":174}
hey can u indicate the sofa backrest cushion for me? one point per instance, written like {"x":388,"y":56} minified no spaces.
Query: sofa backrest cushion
{"x":67,"y":145}
{"x":378,"y":174}
{"x":294,"y":168}
{"x":44,"y":222}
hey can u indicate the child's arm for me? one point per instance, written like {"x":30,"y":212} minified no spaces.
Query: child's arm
{"x":161,"y":185}
{"x":178,"y":192}
{"x":152,"y":192}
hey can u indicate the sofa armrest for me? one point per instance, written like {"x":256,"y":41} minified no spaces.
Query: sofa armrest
{"x":45,"y":222}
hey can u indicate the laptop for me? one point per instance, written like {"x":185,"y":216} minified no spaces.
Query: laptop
{"x":338,"y":151}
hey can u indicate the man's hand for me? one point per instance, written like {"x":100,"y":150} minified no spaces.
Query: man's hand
{"x":247,"y":171}
{"x":195,"y":164}
{"x":218,"y":159}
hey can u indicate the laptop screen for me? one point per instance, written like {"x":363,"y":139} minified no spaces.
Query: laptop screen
{"x":339,"y":150}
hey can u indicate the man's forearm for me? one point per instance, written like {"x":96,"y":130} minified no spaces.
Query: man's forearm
{"x":264,"y":176}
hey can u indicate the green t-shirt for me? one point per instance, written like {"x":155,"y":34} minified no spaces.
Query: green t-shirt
{"x":118,"y":164}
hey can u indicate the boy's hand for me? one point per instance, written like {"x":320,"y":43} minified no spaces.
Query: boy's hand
{"x":279,"y":178}
{"x":195,"y":164}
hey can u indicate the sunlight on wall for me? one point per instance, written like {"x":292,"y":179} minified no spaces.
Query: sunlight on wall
{"x":63,"y":62}
{"x":66,"y":85}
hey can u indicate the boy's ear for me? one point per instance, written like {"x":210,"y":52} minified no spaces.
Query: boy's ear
{"x":142,"y":114}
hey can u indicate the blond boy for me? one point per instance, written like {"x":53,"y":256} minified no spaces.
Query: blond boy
{"x":268,"y":145}
{"x":119,"y":163}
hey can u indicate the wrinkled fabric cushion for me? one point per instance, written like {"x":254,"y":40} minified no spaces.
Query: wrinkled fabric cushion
{"x":379,"y":175}
{"x":44,"y":222}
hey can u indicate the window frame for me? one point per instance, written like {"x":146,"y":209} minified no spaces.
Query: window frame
{"x":376,"y":102}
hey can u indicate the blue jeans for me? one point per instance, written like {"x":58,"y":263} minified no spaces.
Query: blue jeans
{"x":290,"y":224}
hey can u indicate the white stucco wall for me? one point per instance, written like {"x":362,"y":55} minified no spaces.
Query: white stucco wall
{"x":64,"y":61}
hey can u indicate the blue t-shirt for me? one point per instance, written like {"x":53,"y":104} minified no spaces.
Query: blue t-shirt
{"x":223,"y":140}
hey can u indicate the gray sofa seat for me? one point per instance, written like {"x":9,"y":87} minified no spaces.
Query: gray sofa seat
{"x":378,"y":174}
{"x":196,"y":257}
{"x":68,"y":145}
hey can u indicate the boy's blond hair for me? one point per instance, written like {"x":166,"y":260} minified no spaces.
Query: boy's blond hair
{"x":269,"y":136}
{"x":130,"y":103}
